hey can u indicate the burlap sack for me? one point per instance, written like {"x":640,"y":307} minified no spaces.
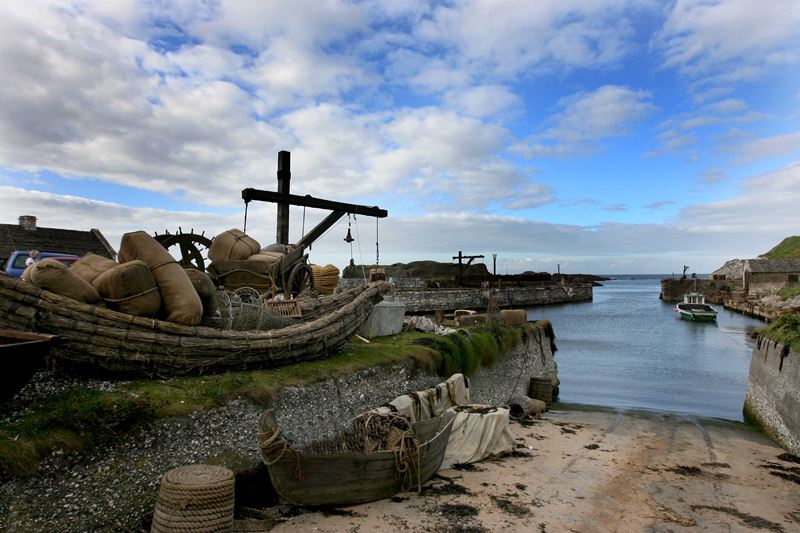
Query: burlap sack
{"x":89,"y":266}
{"x":54,"y":276}
{"x":233,"y":275}
{"x":279,"y":248}
{"x":205,"y":288}
{"x":267,"y":257}
{"x":26,"y":274}
{"x":232,"y":245}
{"x":129,"y":288}
{"x":180,"y":300}
{"x":514,"y":317}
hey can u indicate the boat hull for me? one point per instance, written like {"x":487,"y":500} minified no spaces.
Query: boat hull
{"x":349,"y":478}
{"x":23,"y":353}
{"x":696,"y":312}
{"x":99,"y":339}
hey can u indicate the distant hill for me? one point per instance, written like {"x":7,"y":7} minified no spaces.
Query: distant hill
{"x":419,"y":269}
{"x":789,"y":248}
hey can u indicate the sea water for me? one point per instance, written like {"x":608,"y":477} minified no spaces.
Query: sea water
{"x":629,"y":349}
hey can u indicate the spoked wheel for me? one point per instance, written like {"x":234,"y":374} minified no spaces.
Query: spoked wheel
{"x":190,"y":248}
{"x":300,"y":278}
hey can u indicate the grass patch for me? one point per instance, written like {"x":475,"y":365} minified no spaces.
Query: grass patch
{"x":789,"y":248}
{"x":789,"y":292}
{"x":80,"y":418}
{"x":785,"y":330}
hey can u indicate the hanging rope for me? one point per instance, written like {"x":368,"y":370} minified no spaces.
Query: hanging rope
{"x":244,"y":230}
{"x":360,"y":257}
{"x":377,"y":240}
{"x":303,"y":229}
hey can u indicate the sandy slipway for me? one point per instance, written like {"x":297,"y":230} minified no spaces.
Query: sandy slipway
{"x":589,"y":471}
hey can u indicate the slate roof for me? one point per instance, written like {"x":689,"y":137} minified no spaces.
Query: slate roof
{"x":775,"y":266}
{"x":14,"y":237}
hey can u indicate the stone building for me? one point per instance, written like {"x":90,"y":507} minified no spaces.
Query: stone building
{"x":27,"y":236}
{"x":762,"y":277}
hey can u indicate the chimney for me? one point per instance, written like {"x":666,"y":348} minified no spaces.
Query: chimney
{"x":28,"y":222}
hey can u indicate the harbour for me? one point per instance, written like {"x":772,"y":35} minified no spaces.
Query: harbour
{"x":628,"y":349}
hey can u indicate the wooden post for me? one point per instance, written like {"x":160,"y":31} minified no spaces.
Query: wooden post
{"x":284,"y":177}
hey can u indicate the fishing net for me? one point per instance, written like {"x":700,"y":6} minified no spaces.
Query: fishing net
{"x":377,"y":432}
{"x":245,"y":309}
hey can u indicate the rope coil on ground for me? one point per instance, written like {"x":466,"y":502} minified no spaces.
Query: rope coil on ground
{"x":195,"y":498}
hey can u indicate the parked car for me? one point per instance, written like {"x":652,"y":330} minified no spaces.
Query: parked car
{"x":15,"y":265}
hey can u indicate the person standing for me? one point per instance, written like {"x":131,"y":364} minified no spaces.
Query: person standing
{"x":32,"y":258}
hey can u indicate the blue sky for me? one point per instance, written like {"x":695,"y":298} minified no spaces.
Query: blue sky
{"x":608,"y":136}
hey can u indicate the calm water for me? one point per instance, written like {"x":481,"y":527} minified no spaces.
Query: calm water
{"x":629,"y":349}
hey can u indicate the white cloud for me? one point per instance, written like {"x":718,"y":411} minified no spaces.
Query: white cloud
{"x":659,"y":204}
{"x":483,"y":101}
{"x":766,"y":205}
{"x":531,"y":195}
{"x":519,"y":36}
{"x":737,"y":38}
{"x":588,"y":118}
{"x":766,"y":147}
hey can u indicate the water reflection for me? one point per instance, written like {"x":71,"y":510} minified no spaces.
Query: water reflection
{"x":629,"y":349}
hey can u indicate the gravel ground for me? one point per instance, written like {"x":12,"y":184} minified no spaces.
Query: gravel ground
{"x":115,"y":487}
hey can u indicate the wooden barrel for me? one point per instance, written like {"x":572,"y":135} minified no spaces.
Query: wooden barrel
{"x":541,"y":389}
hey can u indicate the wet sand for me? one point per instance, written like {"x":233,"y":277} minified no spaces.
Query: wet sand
{"x":589,"y":470}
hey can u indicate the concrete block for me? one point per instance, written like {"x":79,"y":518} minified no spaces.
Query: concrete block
{"x":386,"y":319}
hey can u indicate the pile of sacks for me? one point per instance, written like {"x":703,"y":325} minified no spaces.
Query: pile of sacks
{"x":237,"y":260}
{"x":147,"y":281}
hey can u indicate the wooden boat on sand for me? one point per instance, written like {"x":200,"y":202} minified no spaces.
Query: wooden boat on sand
{"x":380,"y":455}
{"x":102,"y":339}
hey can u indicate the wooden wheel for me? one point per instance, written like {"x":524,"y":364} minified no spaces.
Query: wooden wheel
{"x":192,"y":249}
{"x":300,"y":278}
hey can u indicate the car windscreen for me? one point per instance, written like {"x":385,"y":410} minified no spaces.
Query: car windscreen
{"x":19,"y":261}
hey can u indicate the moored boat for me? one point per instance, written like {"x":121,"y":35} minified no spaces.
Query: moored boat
{"x":694,"y":308}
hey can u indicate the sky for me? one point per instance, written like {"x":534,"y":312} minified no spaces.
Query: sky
{"x":604,"y":136}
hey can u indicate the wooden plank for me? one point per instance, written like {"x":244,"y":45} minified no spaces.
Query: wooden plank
{"x":310,"y":201}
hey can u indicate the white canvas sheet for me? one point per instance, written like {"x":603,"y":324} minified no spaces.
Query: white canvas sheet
{"x":478,"y":432}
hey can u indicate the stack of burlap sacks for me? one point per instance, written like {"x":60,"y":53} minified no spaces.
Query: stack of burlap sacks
{"x":147,"y":281}
{"x":239,"y":261}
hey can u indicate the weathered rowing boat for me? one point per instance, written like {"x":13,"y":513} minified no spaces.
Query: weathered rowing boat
{"x":108,"y":340}
{"x":23,"y":353}
{"x":361,"y":466}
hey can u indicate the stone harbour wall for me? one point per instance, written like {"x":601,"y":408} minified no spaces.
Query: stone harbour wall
{"x":432,"y":300}
{"x":310,"y":412}
{"x":715,"y":290}
{"x":773,"y":393}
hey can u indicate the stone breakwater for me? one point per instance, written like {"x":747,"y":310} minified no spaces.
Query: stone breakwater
{"x":429,"y":301}
{"x":114,"y":488}
{"x":773,"y":393}
{"x":715,"y":291}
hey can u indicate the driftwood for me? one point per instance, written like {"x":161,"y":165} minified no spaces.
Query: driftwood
{"x":109,"y":340}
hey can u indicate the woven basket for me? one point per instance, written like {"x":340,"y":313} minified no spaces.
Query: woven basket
{"x":195,"y":498}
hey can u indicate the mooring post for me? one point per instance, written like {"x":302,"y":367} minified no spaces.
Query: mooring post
{"x":284,"y":176}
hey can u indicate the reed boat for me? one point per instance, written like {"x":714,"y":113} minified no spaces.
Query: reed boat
{"x":345,"y":470}
{"x":98,"y":338}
